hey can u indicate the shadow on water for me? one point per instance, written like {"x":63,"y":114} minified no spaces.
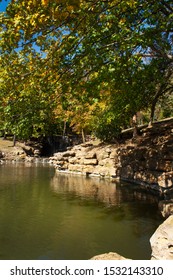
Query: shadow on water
{"x":44,"y":215}
{"x":108,"y":195}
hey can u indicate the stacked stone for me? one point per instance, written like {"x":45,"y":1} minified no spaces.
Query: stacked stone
{"x":150,"y":161}
{"x":89,"y":160}
{"x":147,"y":161}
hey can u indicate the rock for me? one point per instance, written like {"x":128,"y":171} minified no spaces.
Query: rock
{"x":69,"y":154}
{"x":90,"y":155}
{"x":162,"y":241}
{"x":104,"y":171}
{"x":37,"y":153}
{"x":91,"y":161}
{"x":108,"y":150}
{"x":29,"y":159}
{"x":148,"y":161}
{"x":87,"y":144}
{"x":109,"y":256}
{"x":77,"y":148}
{"x":166,"y":180}
{"x":148,"y":177}
{"x":22,"y":156}
{"x":114,"y":154}
{"x":107,"y":162}
{"x":127,"y":172}
{"x":103,"y":155}
{"x":73,"y":160}
{"x":165,"y":165}
{"x":80,"y":154}
{"x":166,"y":207}
{"x":61,"y":163}
{"x":75,"y":167}
{"x":1,"y":154}
{"x":58,"y":156}
{"x":88,"y":169}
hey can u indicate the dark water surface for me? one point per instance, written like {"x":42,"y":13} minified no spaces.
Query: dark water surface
{"x":44,"y":215}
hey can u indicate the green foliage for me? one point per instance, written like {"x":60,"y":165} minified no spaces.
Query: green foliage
{"x":106,"y":127}
{"x":26,"y":103}
{"x":164,"y":108}
{"x":91,"y":63}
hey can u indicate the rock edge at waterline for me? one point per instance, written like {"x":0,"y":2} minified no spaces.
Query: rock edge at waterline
{"x":162,"y":241}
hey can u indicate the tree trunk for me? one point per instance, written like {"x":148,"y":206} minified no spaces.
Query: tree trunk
{"x":83,"y":136}
{"x":14,"y":140}
{"x":135,"y":129}
{"x":160,"y":92}
{"x":153,"y":107}
{"x":64,"y":129}
{"x":5,"y":136}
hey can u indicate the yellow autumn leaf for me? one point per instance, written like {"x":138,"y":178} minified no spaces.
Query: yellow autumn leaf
{"x":70,"y":8}
{"x":44,"y":2}
{"x":122,"y":21}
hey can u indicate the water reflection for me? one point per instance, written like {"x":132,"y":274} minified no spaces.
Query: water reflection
{"x":111,"y":194}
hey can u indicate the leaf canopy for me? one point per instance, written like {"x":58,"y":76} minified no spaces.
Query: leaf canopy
{"x":68,"y":58}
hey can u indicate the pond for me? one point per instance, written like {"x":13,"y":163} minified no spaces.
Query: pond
{"x":45,"y":215}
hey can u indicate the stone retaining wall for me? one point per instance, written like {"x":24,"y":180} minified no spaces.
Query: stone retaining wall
{"x":147,"y":160}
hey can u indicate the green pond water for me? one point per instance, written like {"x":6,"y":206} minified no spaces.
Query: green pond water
{"x":44,"y":215}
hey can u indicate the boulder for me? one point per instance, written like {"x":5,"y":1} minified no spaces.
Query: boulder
{"x":108,"y":256}
{"x":166,"y":207}
{"x":162,"y":241}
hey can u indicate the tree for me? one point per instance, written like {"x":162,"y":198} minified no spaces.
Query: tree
{"x":85,"y":48}
{"x":27,"y":101}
